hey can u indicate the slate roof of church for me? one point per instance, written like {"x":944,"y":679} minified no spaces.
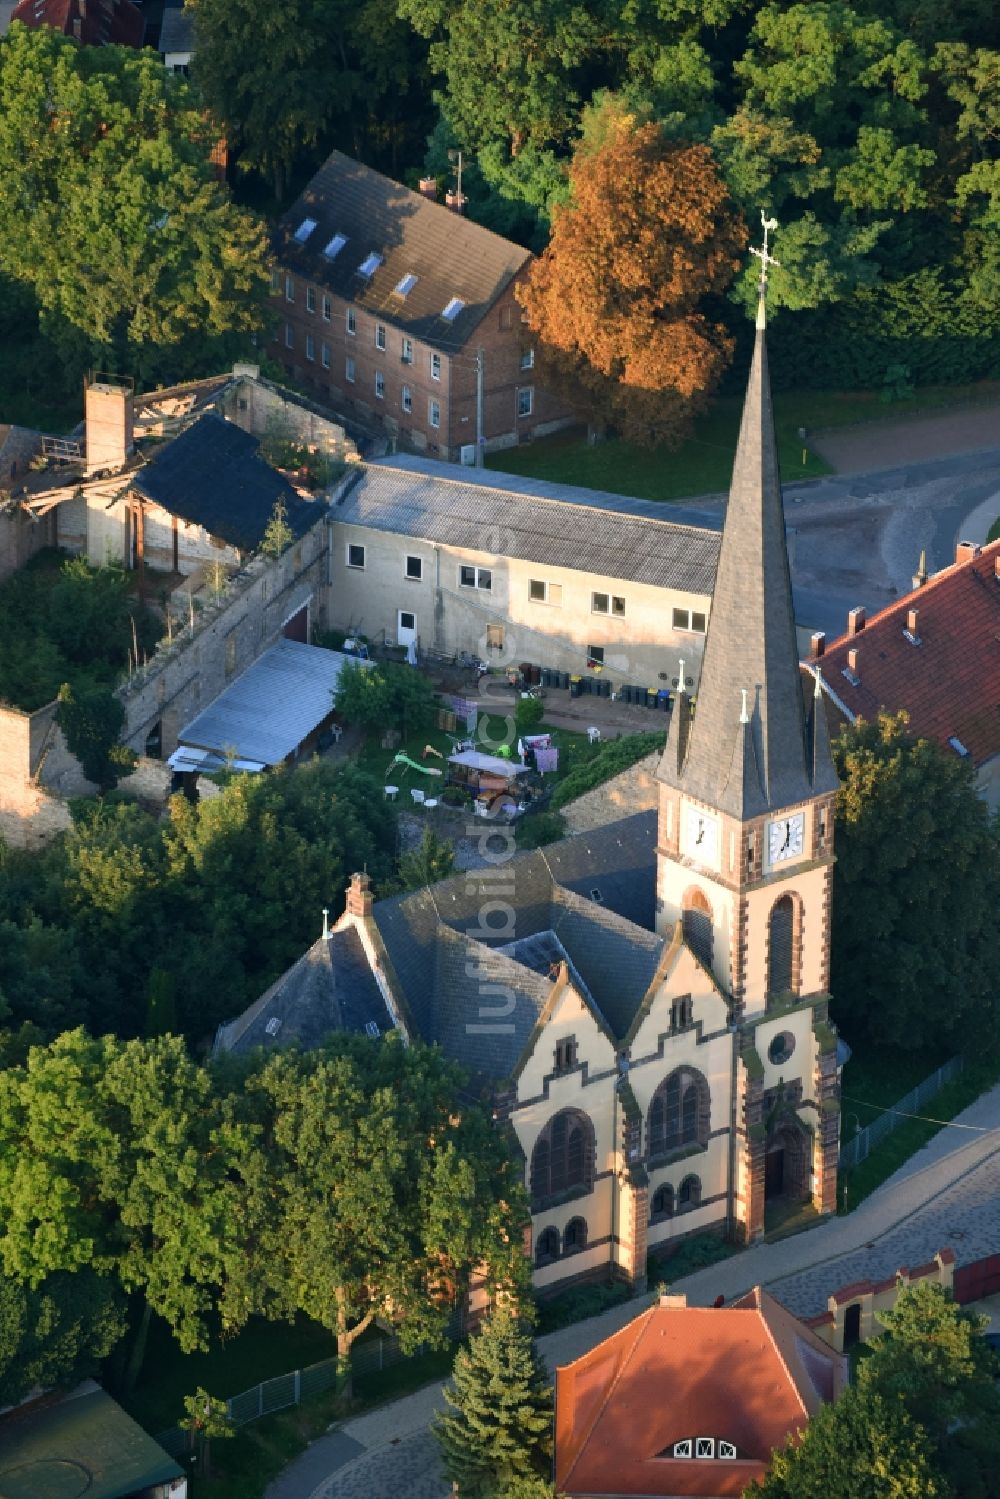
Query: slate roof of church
{"x":450,"y":256}
{"x":949,"y":683}
{"x":763,"y":765}
{"x":330,"y":988}
{"x":557,"y":525}
{"x":212,"y":475}
{"x":749,"y":1374}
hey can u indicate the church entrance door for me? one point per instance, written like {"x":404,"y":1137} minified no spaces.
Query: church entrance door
{"x":774,"y":1172}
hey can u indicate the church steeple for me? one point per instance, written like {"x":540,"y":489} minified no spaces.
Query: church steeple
{"x":749,"y":762}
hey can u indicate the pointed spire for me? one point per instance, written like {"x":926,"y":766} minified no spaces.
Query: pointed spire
{"x":920,"y":576}
{"x":749,"y":762}
{"x":818,"y":732}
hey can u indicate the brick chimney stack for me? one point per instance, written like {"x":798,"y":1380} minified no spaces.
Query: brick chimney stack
{"x":428,"y":188}
{"x":913,"y":622}
{"x":817,"y":643}
{"x":359,"y":895}
{"x":108,"y":419}
{"x":853,"y":662}
{"x":966,"y":550}
{"x":456,"y":202}
{"x":856,"y":621}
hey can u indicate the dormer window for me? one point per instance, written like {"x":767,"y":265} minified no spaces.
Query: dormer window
{"x":565,"y":1054}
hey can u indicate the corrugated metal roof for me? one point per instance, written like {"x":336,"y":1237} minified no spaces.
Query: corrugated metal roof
{"x":277,"y":702}
{"x":554,"y":524}
{"x":451,"y":257}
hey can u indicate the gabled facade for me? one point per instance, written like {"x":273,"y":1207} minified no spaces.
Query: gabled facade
{"x":385,"y":301}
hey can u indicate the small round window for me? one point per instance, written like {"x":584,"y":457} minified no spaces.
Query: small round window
{"x":781,"y":1048}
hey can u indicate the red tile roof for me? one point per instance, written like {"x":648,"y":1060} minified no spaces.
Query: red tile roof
{"x":101,"y":22}
{"x":750,"y":1375}
{"x":949,"y":684}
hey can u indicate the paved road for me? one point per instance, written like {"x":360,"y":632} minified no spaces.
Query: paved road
{"x":948,"y":1194}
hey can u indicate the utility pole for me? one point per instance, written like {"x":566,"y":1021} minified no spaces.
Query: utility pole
{"x":480,"y":376}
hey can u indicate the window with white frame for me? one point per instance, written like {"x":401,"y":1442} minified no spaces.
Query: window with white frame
{"x":275,"y":280}
{"x":289,"y":289}
{"x":434,"y":413}
{"x":542,"y":592}
{"x":324,"y":354}
{"x":607,"y":603}
{"x":407,"y":398}
{"x":435,"y":366}
{"x":327,"y":309}
{"x":352,"y":321}
{"x":690,"y":619}
{"x":310,"y":299}
{"x":355,"y":555}
{"x":407,"y":350}
{"x":475,"y":577}
{"x":595,"y":655}
{"x":379,"y":386}
{"x":525,"y":400}
{"x":527,"y":359}
{"x":414,"y":569}
{"x":380,"y":335}
{"x":310,"y":346}
{"x":349,"y":371}
{"x":289,"y":336}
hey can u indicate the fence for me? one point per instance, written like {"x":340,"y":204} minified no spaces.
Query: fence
{"x":853,"y":1152}
{"x":368,"y":1357}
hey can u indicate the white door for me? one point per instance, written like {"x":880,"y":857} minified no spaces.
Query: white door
{"x":406,"y":627}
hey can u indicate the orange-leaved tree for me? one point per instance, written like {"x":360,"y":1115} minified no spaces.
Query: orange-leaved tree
{"x":618,"y":300}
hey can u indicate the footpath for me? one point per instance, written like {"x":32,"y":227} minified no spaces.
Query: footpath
{"x":947,"y":1195}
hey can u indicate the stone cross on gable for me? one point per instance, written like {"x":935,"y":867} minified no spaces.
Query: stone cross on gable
{"x":765,"y":259}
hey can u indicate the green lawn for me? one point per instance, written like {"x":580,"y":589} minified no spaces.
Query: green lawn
{"x":860,"y":1181}
{"x":704,"y":464}
{"x":879,"y":1077}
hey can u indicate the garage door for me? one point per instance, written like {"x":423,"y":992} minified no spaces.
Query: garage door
{"x":297,"y":628}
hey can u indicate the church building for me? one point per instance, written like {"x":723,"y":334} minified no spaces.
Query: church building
{"x":643,"y":1007}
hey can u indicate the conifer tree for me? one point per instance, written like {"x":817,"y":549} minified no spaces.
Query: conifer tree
{"x":499,"y":1429}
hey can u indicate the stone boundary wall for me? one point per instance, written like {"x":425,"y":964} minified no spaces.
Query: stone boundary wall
{"x":876,"y":1296}
{"x":632,"y":790}
{"x":29,"y":815}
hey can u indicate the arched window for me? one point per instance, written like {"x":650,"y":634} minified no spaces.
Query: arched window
{"x":697,"y":924}
{"x":663,"y":1204}
{"x":547,"y":1248}
{"x":689,"y":1194}
{"x":679,"y":1112}
{"x":563,"y":1157}
{"x":575,"y":1236}
{"x":780,"y":946}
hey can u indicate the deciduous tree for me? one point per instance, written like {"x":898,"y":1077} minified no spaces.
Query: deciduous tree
{"x":620,"y":301}
{"x":57,"y":1334}
{"x":916,"y":885}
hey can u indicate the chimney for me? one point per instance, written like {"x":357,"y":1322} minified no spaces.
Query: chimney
{"x":326,"y":923}
{"x":359,"y":895}
{"x":920,"y":576}
{"x":913,"y":623}
{"x":108,"y":419}
{"x":853,"y":663}
{"x":966,"y":550}
{"x":455,"y":201}
{"x":817,"y":643}
{"x":674,"y":1301}
{"x":429,"y":188}
{"x":856,"y":621}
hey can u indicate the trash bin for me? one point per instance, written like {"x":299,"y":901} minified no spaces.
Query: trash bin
{"x":652,"y":701}
{"x":575,"y":686}
{"x":605,"y":687}
{"x":564,"y":680}
{"x":664,"y":699}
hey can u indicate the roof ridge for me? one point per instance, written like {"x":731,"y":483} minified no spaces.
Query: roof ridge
{"x":936,"y":580}
{"x":547,"y":499}
{"x":760,"y":1294}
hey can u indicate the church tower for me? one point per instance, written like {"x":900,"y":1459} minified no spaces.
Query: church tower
{"x":745,"y":843}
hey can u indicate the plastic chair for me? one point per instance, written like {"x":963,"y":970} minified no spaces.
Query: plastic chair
{"x":593,"y":735}
{"x":391,"y":792}
{"x":418,"y":795}
{"x":430,"y":802}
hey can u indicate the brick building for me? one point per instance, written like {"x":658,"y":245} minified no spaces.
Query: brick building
{"x":95,"y":23}
{"x":386,"y":301}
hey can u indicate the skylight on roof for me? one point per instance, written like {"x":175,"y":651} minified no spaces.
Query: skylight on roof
{"x":333,"y":249}
{"x":370,"y":264}
{"x":957,"y":745}
{"x":404,"y":287}
{"x":452,"y":310}
{"x":304,"y":230}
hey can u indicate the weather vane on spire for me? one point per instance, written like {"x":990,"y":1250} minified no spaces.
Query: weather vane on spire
{"x":765,"y":259}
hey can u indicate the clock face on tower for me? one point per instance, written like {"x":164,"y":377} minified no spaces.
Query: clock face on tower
{"x":702,"y":837}
{"x":786,"y":838}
